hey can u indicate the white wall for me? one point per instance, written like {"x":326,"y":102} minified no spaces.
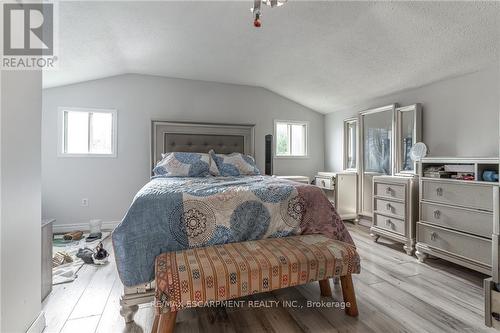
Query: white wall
{"x":111,"y":183}
{"x":460,"y":117}
{"x":20,"y":199}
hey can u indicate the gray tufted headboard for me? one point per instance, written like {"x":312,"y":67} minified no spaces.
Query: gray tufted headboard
{"x":200,"y":138}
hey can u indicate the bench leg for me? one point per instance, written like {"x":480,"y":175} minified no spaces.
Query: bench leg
{"x":154,"y":329}
{"x":324,"y":286}
{"x":349,"y":296}
{"x":166,"y":322}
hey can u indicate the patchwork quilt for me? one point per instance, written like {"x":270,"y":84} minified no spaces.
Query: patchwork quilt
{"x":172,"y":214}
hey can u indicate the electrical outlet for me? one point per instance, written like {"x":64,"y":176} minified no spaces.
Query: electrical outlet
{"x":85,"y":202}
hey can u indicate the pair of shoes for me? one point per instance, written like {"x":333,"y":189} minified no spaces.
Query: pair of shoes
{"x":61,"y":258}
{"x":74,"y":235}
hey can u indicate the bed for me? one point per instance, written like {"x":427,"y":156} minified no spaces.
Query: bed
{"x":176,"y":213}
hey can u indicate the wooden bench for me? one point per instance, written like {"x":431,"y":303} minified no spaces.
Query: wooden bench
{"x":204,"y":276}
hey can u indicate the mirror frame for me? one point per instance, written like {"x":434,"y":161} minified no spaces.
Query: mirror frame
{"x":346,"y":144}
{"x":417,"y":137}
{"x":392,"y":108}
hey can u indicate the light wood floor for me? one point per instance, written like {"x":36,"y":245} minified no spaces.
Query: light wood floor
{"x":394,"y":292}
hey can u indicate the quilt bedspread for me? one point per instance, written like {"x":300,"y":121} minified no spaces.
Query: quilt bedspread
{"x":171,"y":214}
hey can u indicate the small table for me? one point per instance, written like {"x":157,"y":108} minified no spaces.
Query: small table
{"x":298,"y":179}
{"x":46,"y":257}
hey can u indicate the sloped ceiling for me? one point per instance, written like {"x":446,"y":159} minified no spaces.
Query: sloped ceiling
{"x":324,"y":55}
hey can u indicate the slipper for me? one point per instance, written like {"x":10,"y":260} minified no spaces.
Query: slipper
{"x":94,"y":236}
{"x":74,"y":235}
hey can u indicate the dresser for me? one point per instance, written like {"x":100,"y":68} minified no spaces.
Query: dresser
{"x":395,"y":209}
{"x":341,"y":190}
{"x":457,"y":212}
{"x":46,"y":253}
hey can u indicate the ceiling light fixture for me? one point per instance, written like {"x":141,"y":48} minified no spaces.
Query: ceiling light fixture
{"x":256,"y":9}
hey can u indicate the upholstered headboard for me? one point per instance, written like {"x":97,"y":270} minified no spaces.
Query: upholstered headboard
{"x":200,"y":138}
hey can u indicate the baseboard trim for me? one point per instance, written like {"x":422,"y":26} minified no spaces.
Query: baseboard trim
{"x":106,"y":225}
{"x":38,"y":325}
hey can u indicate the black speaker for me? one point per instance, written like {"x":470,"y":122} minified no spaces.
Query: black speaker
{"x":269,"y":155}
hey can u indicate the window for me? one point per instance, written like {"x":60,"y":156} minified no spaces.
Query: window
{"x":350,"y":137}
{"x":290,"y":138}
{"x":87,"y":132}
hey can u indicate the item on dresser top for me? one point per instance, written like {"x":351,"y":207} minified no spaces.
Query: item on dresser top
{"x":490,"y":176}
{"x":235,"y":164}
{"x":459,"y":168}
{"x":181,"y":164}
{"x":418,"y":151}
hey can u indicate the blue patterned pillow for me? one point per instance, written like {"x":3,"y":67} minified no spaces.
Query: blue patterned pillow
{"x":235,"y":164}
{"x":186,"y":165}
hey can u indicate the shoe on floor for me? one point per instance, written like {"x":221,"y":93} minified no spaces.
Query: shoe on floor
{"x":74,"y":235}
{"x":86,"y":255}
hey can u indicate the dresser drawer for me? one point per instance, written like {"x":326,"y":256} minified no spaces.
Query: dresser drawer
{"x":474,"y":222}
{"x":390,"y":207}
{"x":389,"y":223}
{"x":466,"y":195}
{"x":394,"y":191}
{"x":470,"y":247}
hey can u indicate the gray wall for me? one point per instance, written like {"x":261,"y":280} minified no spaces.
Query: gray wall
{"x":111,"y":183}
{"x":460,"y":117}
{"x":20,"y":199}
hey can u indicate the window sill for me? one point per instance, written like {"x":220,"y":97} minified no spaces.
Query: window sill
{"x":87,"y":155}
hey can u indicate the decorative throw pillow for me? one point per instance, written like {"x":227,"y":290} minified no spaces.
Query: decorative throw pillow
{"x":235,"y":164}
{"x":186,"y":165}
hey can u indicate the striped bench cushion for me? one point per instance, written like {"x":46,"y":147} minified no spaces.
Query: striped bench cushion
{"x":202,"y":275}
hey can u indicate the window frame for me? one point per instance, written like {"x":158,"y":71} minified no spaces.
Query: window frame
{"x":61,"y":131}
{"x":306,"y":138}
{"x":347,"y":144}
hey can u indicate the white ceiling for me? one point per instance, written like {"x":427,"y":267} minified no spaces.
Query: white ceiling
{"x":324,"y":55}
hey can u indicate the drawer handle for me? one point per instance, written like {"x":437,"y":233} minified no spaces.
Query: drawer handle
{"x":388,"y":206}
{"x":437,"y":214}
{"x":439,"y":191}
{"x":389,"y":224}
{"x":434,"y":236}
{"x":388,"y":190}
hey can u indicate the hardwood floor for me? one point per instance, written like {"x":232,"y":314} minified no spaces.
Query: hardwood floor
{"x":395,"y":294}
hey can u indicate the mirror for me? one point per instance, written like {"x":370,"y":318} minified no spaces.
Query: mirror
{"x":350,"y":144}
{"x":409,"y":124}
{"x":376,"y":150}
